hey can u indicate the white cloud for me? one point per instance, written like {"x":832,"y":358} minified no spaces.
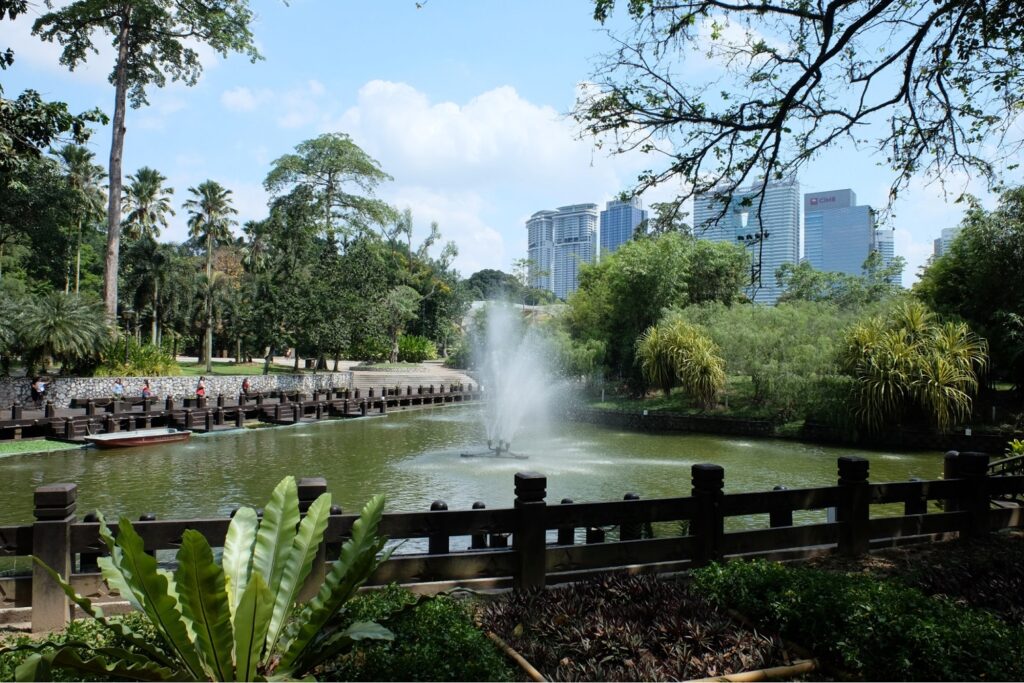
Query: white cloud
{"x":460,"y":218}
{"x":242,"y":98}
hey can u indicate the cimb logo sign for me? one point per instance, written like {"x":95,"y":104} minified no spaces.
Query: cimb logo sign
{"x":822,"y":200}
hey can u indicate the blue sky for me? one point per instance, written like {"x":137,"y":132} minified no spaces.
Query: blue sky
{"x":463,"y":103}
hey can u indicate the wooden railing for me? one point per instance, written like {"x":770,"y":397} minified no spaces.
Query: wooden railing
{"x":534,"y":543}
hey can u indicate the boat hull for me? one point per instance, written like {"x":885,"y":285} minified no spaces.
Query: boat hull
{"x":134,"y":439}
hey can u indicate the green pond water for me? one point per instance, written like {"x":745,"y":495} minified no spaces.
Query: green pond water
{"x":414,"y":458}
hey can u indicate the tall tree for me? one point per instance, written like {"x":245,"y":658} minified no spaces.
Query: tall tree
{"x":84,"y":178}
{"x":147,"y":203}
{"x":210,"y":222}
{"x":778,"y":81}
{"x":340,"y":179}
{"x":154,"y":39}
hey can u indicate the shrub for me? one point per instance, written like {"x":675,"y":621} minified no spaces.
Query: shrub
{"x":81,"y":630}
{"x":674,"y":350}
{"x":435,"y":640}
{"x":415,"y":349}
{"x":142,"y":360}
{"x":874,"y":629}
{"x":226,"y":622}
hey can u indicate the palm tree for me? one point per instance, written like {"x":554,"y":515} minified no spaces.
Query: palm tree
{"x":146,"y":204}
{"x":84,"y":178}
{"x":64,"y":327}
{"x":149,"y":278}
{"x":256,"y":247}
{"x":210,"y":221}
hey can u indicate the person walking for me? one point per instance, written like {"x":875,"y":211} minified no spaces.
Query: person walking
{"x":146,"y":391}
{"x":37,"y":388}
{"x":118,"y":388}
{"x":245,"y":386}
{"x":201,"y":388}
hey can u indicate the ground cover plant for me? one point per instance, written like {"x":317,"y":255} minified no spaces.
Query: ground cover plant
{"x":626,"y":628}
{"x":435,"y":640}
{"x":226,"y":621}
{"x":869,"y":628}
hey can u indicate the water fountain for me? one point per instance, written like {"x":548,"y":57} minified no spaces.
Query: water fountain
{"x":513,"y":359}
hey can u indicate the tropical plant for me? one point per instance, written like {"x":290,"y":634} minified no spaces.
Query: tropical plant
{"x":210,"y":223}
{"x":906,"y":359}
{"x":64,"y":327}
{"x":238,"y":620}
{"x":138,"y":360}
{"x":147,"y":203}
{"x":415,"y":349}
{"x":84,"y":178}
{"x":676,"y":351}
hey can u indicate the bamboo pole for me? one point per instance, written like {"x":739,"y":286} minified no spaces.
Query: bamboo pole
{"x":797,"y":668}
{"x":517,"y":658}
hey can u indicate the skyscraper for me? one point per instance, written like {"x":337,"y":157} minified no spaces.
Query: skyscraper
{"x":884,"y":246}
{"x":540,"y":247}
{"x":780,"y":219}
{"x":574,"y":231}
{"x":619,"y":221}
{"x":941,"y":245}
{"x":838,"y":234}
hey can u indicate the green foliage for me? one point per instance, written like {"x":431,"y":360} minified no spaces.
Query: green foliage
{"x":435,"y":640}
{"x":976,"y":280}
{"x":877,"y":283}
{"x":415,"y":349}
{"x":235,"y":621}
{"x":908,"y":360}
{"x":873,"y":629}
{"x":142,"y":360}
{"x":65,"y":327}
{"x":676,"y":351}
{"x":626,"y":293}
{"x":788,"y":351}
{"x":87,"y":631}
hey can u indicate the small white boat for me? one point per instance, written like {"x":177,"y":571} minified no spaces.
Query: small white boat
{"x":139,"y":437}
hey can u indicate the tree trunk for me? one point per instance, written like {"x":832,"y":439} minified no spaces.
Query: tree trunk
{"x":110,"y":267}
{"x":266,"y":362}
{"x":394,"y":346}
{"x":153,"y":330}
{"x":78,"y":257}
{"x":296,"y":360}
{"x":209,"y":301}
{"x":335,"y":362}
{"x":238,"y":350}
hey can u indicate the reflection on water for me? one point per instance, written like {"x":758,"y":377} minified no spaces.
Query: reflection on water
{"x":415,"y":459}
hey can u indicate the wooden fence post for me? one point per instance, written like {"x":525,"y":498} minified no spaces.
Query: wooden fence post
{"x":437,"y":544}
{"x":951,"y":470}
{"x":478,"y":541}
{"x":708,"y":524}
{"x":973,"y":468}
{"x":311,"y":488}
{"x":51,"y":544}
{"x":854,"y":506}
{"x":779,"y":518}
{"x":529,"y":537}
{"x":87,"y":561}
{"x":566,"y":534}
{"x":334,"y":548}
{"x":915,"y":505}
{"x":630,"y":531}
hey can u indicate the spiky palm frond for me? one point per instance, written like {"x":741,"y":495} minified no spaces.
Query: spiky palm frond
{"x":64,"y":326}
{"x":146,"y":203}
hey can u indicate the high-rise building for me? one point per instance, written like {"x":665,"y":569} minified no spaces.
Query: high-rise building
{"x":885,"y":247}
{"x":778,"y":216}
{"x":940,"y":247}
{"x":838,"y":234}
{"x":540,"y":247}
{"x":619,"y":222}
{"x":574,"y":232}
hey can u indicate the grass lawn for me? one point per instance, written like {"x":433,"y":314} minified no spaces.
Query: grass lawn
{"x":736,"y":401}
{"x":197,"y":369}
{"x":34,"y":446}
{"x":395,"y":367}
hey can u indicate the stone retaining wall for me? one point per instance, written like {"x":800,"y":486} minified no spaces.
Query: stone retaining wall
{"x":673,"y":422}
{"x":61,"y":390}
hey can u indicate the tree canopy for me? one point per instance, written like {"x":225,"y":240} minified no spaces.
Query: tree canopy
{"x":733,"y":92}
{"x":155,"y":39}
